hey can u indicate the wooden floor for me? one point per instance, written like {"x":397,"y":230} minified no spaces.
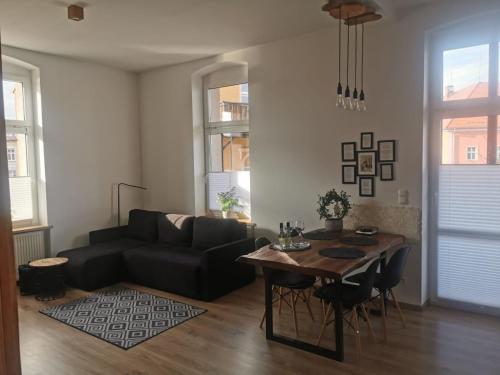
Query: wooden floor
{"x":227,"y":340}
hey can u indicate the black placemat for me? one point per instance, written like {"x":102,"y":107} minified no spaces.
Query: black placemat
{"x":359,"y":240}
{"x":321,"y":234}
{"x":342,"y":253}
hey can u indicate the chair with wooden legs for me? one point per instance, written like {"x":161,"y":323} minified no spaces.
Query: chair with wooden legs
{"x":386,"y":281}
{"x":289,"y":288}
{"x":354,"y":298}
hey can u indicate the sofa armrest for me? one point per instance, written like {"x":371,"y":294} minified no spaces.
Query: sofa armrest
{"x":108,"y":234}
{"x":221,"y":273}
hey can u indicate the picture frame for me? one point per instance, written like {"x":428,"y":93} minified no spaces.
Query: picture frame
{"x":366,"y":187}
{"x":349,"y":174}
{"x":367,"y":163}
{"x":386,"y":172}
{"x":349,"y":151}
{"x":387,"y":150}
{"x":366,"y":141}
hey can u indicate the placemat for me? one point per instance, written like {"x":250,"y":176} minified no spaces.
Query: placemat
{"x":321,"y":234}
{"x":342,"y":253}
{"x":359,"y":240}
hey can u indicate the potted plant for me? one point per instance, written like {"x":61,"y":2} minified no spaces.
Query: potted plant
{"x":340,"y":204}
{"x":227,"y":201}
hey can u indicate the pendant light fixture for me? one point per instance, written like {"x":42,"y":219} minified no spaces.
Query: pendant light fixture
{"x":347,"y":96}
{"x":340,"y":97}
{"x":353,"y":13}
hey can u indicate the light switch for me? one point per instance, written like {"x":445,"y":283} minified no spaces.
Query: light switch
{"x":403,"y":197}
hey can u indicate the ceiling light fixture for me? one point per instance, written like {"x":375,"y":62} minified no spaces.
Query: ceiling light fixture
{"x":353,"y":13}
{"x":75,"y":12}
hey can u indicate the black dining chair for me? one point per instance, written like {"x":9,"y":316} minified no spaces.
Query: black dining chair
{"x":286,"y":283}
{"x":353,"y":299}
{"x":386,"y":281}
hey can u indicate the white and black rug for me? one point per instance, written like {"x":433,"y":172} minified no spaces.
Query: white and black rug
{"x":123,"y":317}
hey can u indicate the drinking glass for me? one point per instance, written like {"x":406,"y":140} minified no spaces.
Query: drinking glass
{"x":299,"y":227}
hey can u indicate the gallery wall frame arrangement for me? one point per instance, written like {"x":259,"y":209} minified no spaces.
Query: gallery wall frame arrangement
{"x":366,"y":163}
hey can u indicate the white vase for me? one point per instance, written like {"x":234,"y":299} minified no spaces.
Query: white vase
{"x":225,"y":214}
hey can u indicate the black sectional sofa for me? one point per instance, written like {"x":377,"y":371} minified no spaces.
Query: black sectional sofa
{"x":191,"y":256}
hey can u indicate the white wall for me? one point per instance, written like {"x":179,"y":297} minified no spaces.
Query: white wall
{"x":91,"y":141}
{"x":296,"y":130}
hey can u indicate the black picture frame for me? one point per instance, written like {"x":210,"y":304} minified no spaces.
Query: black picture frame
{"x":344,"y":146}
{"x":361,"y":164}
{"x":372,"y":187}
{"x":391,"y":171}
{"x":363,"y":145}
{"x":355,"y":175}
{"x":382,"y":151}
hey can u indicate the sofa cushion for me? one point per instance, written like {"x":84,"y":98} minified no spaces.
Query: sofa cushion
{"x":97,"y":266}
{"x":143,"y":225}
{"x":176,"y":229}
{"x":170,"y":268}
{"x":210,"y":232}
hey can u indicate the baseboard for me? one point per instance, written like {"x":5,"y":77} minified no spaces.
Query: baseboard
{"x":413,"y":307}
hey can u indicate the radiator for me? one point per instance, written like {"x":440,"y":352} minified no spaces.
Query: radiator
{"x":28,"y":247}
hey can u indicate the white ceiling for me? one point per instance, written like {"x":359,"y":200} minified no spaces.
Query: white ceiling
{"x":142,"y":34}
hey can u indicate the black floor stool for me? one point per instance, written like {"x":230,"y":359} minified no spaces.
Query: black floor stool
{"x":49,"y":278}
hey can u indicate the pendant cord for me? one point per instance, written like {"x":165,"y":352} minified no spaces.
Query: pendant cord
{"x":356,"y":56}
{"x":362,"y":55}
{"x":348,"y":27}
{"x":340,"y":41}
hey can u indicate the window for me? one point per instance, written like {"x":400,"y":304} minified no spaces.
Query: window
{"x":464,"y":171}
{"x":472,"y":153}
{"x":228,"y":144}
{"x":11,"y":154}
{"x":20,"y":149}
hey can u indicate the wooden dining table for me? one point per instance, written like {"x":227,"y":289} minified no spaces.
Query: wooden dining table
{"x":311,"y":262}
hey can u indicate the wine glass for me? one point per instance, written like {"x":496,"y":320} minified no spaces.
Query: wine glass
{"x":299,"y":227}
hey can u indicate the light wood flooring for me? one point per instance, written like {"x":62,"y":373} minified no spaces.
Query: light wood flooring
{"x":227,"y":340}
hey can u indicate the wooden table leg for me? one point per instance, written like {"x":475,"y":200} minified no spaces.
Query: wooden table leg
{"x":339,"y":320}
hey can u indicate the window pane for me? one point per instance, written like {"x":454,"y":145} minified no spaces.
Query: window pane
{"x":17,"y":155}
{"x":13,"y":97}
{"x":464,"y":140}
{"x":223,"y":182}
{"x":498,"y":140}
{"x":235,"y":152}
{"x":19,"y":180}
{"x":228,"y":103}
{"x":465,"y":73}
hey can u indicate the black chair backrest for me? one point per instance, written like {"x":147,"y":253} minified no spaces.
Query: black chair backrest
{"x":364,"y":291}
{"x":394,"y":269}
{"x":261,"y":242}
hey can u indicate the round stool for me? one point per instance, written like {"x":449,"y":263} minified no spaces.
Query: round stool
{"x":49,"y":278}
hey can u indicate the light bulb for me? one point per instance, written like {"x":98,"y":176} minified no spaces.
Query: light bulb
{"x":362,"y":105}
{"x":340,"y":98}
{"x":339,"y":101}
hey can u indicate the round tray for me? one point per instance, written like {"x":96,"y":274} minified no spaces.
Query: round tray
{"x":359,"y":240}
{"x":342,"y":253}
{"x":296,"y":246}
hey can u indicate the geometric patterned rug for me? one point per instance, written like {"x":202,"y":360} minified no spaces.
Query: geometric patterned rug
{"x":122,"y":316}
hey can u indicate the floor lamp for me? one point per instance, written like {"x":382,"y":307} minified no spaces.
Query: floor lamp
{"x":124,"y":184}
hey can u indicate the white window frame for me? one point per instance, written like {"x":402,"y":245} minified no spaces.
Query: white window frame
{"x":26,"y":127}
{"x":472,"y":34}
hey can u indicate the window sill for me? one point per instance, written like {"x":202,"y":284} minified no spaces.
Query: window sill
{"x":33,"y":228}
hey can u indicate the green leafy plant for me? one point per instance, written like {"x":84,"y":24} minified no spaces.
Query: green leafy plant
{"x":341,"y":205}
{"x":228,"y":200}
